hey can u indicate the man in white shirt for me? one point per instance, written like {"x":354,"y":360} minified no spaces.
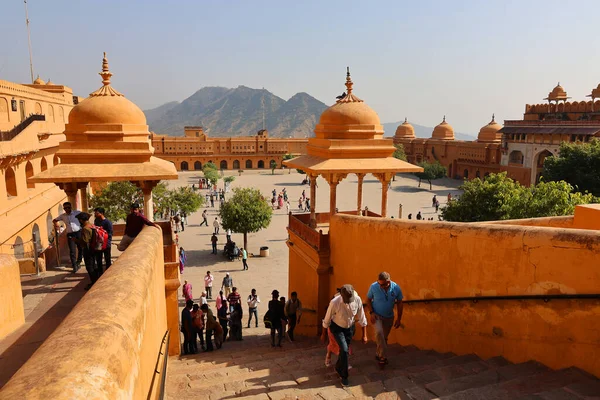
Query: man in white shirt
{"x":208,"y":282}
{"x":216,"y":225}
{"x":340,"y":317}
{"x":69,"y":218}
{"x":253,"y":301}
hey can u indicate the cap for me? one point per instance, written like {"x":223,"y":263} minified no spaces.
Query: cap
{"x":227,"y":274}
{"x":347,"y":293}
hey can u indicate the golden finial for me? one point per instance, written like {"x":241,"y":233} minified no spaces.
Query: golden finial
{"x":105,"y":90}
{"x":105,"y":74}
{"x":444,"y":120}
{"x":349,"y":82}
{"x":405,"y":120}
{"x":348,"y":97}
{"x":493,"y":118}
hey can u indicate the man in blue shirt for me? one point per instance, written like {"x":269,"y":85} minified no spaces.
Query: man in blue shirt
{"x":383,"y":295}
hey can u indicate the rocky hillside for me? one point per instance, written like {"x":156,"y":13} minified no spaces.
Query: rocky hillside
{"x":234,"y":112}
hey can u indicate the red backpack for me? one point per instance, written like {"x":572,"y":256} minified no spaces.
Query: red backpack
{"x":99,"y":240}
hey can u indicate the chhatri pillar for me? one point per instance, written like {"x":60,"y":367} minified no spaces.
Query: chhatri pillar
{"x":313,"y":200}
{"x":70,"y":190}
{"x":147,"y":187}
{"x":333,"y":180}
{"x":359,"y":195}
{"x":385,"y":179}
{"x":83,"y":196}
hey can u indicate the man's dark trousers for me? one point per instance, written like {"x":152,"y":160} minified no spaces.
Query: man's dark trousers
{"x":75,"y":249}
{"x":107,"y":259}
{"x":209,"y":344}
{"x":214,"y":245}
{"x":252,"y":311}
{"x":292,"y":320}
{"x":343,"y":337}
{"x":89,"y":258}
{"x":244,"y":264}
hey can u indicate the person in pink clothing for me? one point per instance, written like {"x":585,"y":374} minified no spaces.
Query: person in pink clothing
{"x":187,"y":291}
{"x":220,"y":300}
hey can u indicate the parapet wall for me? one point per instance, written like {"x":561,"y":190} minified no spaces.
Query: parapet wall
{"x":108,"y":346}
{"x":442,"y":260}
{"x":11,"y":297}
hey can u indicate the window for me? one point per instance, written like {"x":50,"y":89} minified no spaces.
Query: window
{"x":29,"y":174}
{"x":11,"y":182}
{"x":516,"y":157}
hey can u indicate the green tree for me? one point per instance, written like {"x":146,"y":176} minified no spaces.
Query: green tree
{"x":184,"y":199}
{"x":578,"y":164}
{"x":499,"y":198}
{"x":273,"y":165}
{"x":209,"y":165}
{"x":212,"y":175}
{"x":116,"y":199}
{"x":431,"y":171}
{"x":229,"y":179}
{"x":247,"y":211}
{"x":162,"y":199}
{"x":399,"y":152}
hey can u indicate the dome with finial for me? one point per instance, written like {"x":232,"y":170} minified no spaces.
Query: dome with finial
{"x":443,"y":131}
{"x":39,"y":81}
{"x":489,"y":133}
{"x":106,"y":106}
{"x":558,"y":93}
{"x":349,"y":116}
{"x":405,"y":130}
{"x":49,"y":82}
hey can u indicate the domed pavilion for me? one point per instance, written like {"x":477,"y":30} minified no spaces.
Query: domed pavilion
{"x":107,"y":139}
{"x":443,"y":131}
{"x":491,"y":132}
{"x":349,"y":140}
{"x":405,"y":130}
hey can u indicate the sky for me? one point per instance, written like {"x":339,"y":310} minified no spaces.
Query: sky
{"x":420,"y":60}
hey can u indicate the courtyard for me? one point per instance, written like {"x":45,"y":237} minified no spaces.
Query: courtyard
{"x":268,"y":273}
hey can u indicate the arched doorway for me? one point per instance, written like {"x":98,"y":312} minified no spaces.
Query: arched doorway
{"x":10,"y":181}
{"x":223,"y":164}
{"x":261,"y":164}
{"x":236,"y":164}
{"x":477,"y":174}
{"x":466,"y":174}
{"x":516,"y":157}
{"x":248,"y":164}
{"x":36,"y":231}
{"x":539,"y":164}
{"x":29,"y":174}
{"x":184,"y":166}
{"x":43,"y":164}
{"x":49,"y":225}
{"x":197,"y":165}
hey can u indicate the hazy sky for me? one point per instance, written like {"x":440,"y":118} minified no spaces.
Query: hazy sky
{"x":465,"y":59}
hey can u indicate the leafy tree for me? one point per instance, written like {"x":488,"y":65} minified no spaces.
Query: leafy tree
{"x":162,"y":198}
{"x":211,"y":175}
{"x":184,"y":199}
{"x":209,"y":165}
{"x":229,"y":179}
{"x":431,"y":171}
{"x":247,"y":211}
{"x":578,"y":164}
{"x":499,"y":198}
{"x":399,"y":152}
{"x":273,"y":166}
{"x":116,"y":199}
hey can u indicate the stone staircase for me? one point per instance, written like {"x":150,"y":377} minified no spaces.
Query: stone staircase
{"x":253,"y":370}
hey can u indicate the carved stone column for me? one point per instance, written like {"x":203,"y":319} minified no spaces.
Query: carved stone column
{"x":384,"y":178}
{"x":313,"y":200}
{"x":333,"y":180}
{"x":70,"y":188}
{"x":147,"y":187}
{"x":361,"y":177}
{"x":83,"y":196}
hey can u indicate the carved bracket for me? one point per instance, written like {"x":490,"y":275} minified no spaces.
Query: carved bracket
{"x":335,"y":178}
{"x":384,"y":177}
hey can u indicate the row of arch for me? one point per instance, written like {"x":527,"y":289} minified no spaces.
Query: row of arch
{"x":10,"y":177}
{"x":223,"y":164}
{"x":6,"y":108}
{"x":22,"y":245}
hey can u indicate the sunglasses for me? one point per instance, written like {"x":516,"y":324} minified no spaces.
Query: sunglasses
{"x":384,"y":285}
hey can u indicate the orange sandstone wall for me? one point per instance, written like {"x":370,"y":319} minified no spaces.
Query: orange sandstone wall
{"x":108,"y":346}
{"x":11,"y":296}
{"x":587,"y":217}
{"x":437,"y":259}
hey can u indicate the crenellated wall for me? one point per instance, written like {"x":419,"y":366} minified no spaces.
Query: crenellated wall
{"x":442,"y":259}
{"x":108,"y":346}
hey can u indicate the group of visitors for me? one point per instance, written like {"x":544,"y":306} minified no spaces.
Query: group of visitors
{"x":435,"y":203}
{"x":91,"y":242}
{"x":215,"y":195}
{"x":280,"y":200}
{"x":304,"y":202}
{"x":282,"y":314}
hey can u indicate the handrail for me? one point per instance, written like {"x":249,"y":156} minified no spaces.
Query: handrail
{"x":6,"y":136}
{"x":475,"y":299}
{"x":164,"y":352}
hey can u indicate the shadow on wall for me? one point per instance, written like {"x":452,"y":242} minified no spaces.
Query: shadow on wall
{"x":440,"y":259}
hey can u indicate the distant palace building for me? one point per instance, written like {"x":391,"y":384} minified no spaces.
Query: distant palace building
{"x":195,"y":149}
{"x":520,"y":147}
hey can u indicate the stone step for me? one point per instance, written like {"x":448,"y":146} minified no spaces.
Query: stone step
{"x":521,"y":386}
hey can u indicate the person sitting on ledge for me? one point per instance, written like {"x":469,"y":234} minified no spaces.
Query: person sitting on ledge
{"x":133,"y":226}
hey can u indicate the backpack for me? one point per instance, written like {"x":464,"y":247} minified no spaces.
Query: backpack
{"x":99,"y":240}
{"x":267,"y":319}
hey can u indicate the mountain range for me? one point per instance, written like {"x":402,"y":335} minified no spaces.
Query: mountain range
{"x":239,"y":111}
